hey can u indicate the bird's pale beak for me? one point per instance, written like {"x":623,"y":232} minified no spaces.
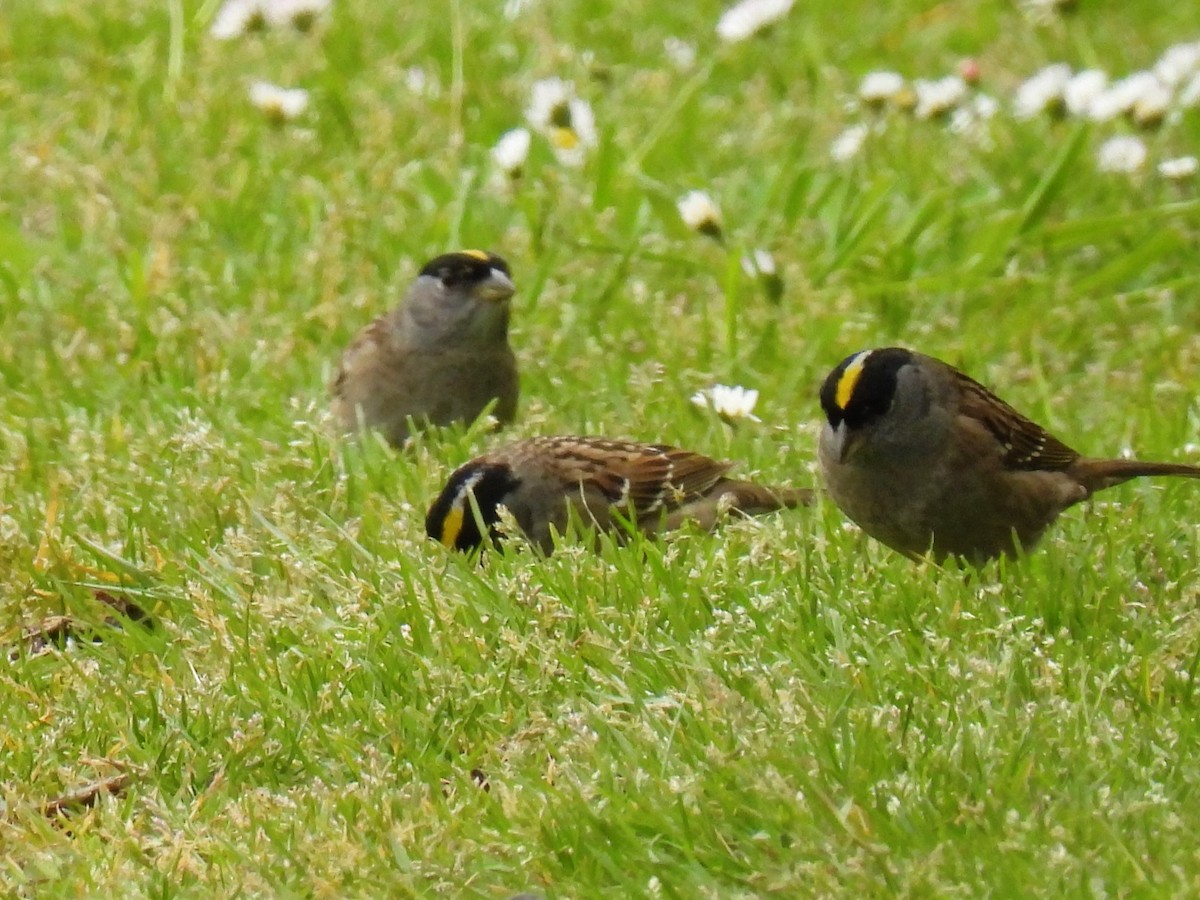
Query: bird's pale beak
{"x":497,"y":286}
{"x":847,"y":441}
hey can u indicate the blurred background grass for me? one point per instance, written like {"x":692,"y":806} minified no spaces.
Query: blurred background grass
{"x":783,"y":708}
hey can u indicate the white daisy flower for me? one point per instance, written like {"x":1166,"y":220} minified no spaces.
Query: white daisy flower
{"x":237,"y":17}
{"x":731,"y":402}
{"x":1121,"y":154}
{"x":1178,"y":63}
{"x":1082,"y":90}
{"x":972,"y":120}
{"x":849,"y":143}
{"x":937,"y":98}
{"x":280,"y":104}
{"x":1043,"y":92}
{"x":681,"y":54}
{"x":511,"y":152}
{"x":761,"y":265}
{"x":1151,"y":107}
{"x":1045,"y":11}
{"x":1121,"y":96}
{"x":1179,"y":169}
{"x":749,"y":17}
{"x":567,"y":120}
{"x":700,"y":213}
{"x":878,"y":88}
{"x":550,"y":103}
{"x":300,"y":14}
{"x":1189,"y":94}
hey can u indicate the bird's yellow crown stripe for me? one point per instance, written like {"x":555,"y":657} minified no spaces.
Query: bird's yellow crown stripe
{"x":452,"y":525}
{"x":476,"y":254}
{"x":849,"y":379}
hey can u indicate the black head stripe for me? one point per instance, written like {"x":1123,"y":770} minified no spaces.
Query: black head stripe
{"x":862,"y":386}
{"x":464,"y":267}
{"x":451,"y":518}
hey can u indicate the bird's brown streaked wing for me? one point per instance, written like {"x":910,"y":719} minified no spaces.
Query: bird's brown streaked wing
{"x":637,"y":477}
{"x":1026,"y":444}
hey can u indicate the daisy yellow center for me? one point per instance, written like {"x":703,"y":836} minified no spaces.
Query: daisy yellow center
{"x":451,"y":526}
{"x":564,"y":138}
{"x":849,"y":379}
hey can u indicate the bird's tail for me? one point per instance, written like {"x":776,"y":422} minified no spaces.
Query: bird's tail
{"x":1098,"y":474}
{"x":732,"y":495}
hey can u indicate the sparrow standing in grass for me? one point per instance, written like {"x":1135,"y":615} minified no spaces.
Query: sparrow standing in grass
{"x":544,"y":481}
{"x":441,"y":356}
{"x":927,"y":460}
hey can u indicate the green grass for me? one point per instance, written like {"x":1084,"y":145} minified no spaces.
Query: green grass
{"x":785,"y":708}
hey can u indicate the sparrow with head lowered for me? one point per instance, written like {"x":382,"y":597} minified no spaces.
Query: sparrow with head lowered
{"x":927,"y":460}
{"x":441,"y":356}
{"x":545,"y":482}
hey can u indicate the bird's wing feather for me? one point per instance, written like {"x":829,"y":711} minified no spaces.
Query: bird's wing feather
{"x":1027,"y":446}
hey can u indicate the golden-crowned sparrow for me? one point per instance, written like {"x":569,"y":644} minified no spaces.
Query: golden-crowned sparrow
{"x":543,"y":481}
{"x":927,"y":460}
{"x":441,"y":356}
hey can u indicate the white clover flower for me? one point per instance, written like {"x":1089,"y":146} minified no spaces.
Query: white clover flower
{"x":878,"y":88}
{"x":1180,"y":168}
{"x":849,"y":143}
{"x":681,"y":54}
{"x":745,"y":19}
{"x":1043,"y":92}
{"x":237,"y":17}
{"x":937,"y":98}
{"x":1178,"y":63}
{"x":1121,"y":96}
{"x":730,"y":402}
{"x":280,"y":104}
{"x":566,"y":120}
{"x":1082,"y":90}
{"x":511,"y":151}
{"x":300,"y":14}
{"x":1121,"y":154}
{"x":700,"y":213}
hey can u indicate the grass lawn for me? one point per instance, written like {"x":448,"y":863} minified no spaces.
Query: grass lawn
{"x":322,"y":702}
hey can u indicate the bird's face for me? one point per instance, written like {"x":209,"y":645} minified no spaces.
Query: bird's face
{"x":868,"y":398}
{"x":469,"y":505}
{"x":465,"y":294}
